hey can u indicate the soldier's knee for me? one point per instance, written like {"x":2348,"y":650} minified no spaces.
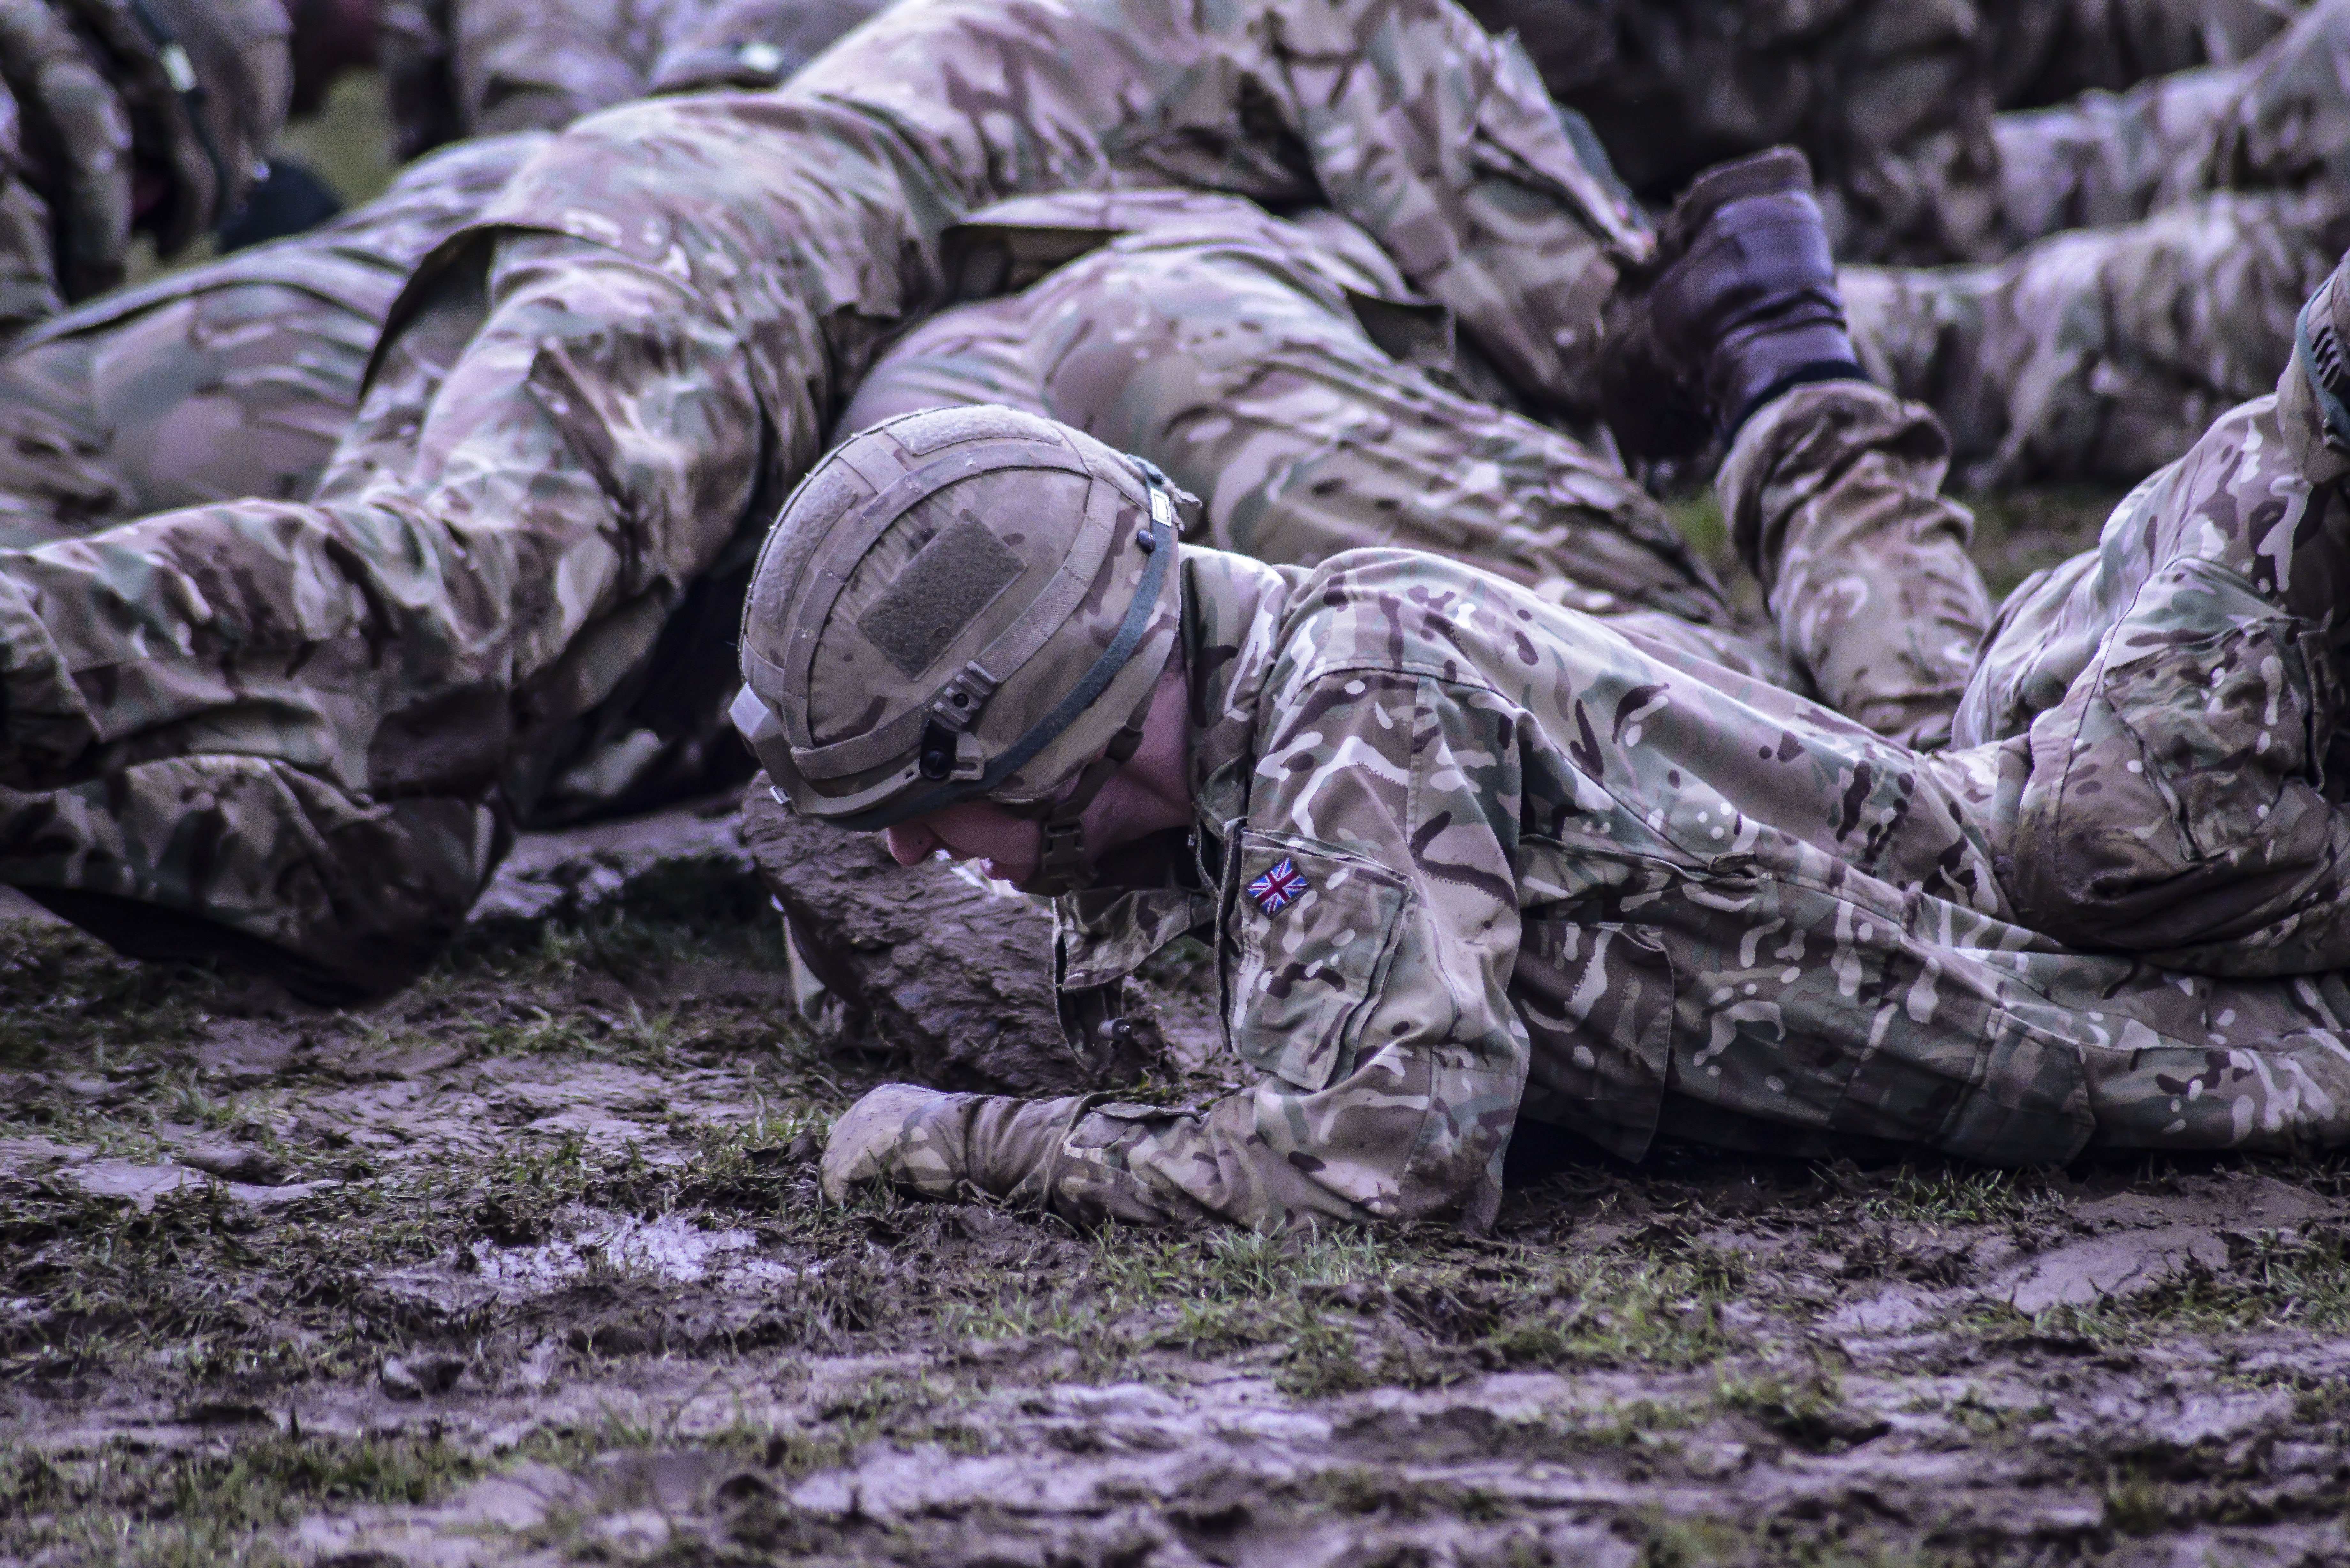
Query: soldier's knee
{"x":336,"y":901}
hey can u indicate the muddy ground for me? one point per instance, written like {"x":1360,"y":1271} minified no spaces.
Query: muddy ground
{"x":527,"y":1266}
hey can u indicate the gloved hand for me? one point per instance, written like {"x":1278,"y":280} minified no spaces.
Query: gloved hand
{"x":899,"y":1133}
{"x":940,"y":1145}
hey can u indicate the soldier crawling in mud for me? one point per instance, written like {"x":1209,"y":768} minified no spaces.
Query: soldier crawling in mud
{"x":1468,"y":857}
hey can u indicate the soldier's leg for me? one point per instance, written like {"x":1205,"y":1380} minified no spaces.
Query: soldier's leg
{"x":2105,"y":158}
{"x":286,"y":732}
{"x":236,"y":391}
{"x":2101,"y":354}
{"x":1258,"y":388}
{"x":2180,"y":801}
{"x":1833,"y":494}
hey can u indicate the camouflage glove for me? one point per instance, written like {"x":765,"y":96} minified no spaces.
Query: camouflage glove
{"x":932,"y":1144}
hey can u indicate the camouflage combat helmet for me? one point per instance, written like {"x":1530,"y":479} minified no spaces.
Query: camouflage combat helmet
{"x":956,"y":604}
{"x":206,"y":83}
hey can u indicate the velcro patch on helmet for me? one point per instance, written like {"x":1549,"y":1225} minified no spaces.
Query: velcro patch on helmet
{"x":947,"y":586}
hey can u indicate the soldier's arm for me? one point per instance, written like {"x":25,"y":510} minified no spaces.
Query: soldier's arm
{"x":1373,"y":1000}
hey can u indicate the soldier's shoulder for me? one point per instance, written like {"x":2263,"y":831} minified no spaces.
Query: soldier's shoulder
{"x":1409,"y":603}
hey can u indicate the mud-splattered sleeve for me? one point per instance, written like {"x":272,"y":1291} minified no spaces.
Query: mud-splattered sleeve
{"x":1366,"y":941}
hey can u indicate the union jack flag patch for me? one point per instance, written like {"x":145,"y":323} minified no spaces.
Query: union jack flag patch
{"x":1279,"y":888}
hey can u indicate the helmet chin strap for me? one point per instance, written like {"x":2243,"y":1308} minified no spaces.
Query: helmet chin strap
{"x":1062,"y":866}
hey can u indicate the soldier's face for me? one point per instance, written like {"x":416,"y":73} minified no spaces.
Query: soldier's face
{"x":1150,"y":794}
{"x":1007,"y":848}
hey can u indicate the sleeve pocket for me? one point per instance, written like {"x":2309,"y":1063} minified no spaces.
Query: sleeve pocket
{"x":1312,"y":932}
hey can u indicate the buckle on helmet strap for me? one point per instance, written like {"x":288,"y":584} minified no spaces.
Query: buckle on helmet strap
{"x":1048,"y":729}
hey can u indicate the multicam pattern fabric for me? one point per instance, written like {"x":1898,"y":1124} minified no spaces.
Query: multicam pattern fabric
{"x":1894,"y":101}
{"x":2179,"y":694}
{"x":1287,"y":375}
{"x":460,"y":68}
{"x":2104,"y":353}
{"x":1283,"y":372}
{"x":1601,"y":890}
{"x":301,"y":731}
{"x":232,"y":378}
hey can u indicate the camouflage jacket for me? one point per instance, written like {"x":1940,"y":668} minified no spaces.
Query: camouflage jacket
{"x":1467,"y":857}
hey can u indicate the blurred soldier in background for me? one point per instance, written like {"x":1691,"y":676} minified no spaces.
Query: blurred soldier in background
{"x":455,"y":69}
{"x":2185,"y":222}
{"x":2143,"y":244}
{"x":122,"y":117}
{"x":1893,"y":100}
{"x":239,"y":377}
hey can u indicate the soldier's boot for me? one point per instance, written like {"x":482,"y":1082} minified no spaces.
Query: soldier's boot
{"x":1831,"y":487}
{"x":1738,"y":305}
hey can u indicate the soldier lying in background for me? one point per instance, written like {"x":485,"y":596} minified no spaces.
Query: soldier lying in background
{"x":238,"y":378}
{"x":1896,"y":102}
{"x":299,"y":734}
{"x":2168,"y":233}
{"x":2177,"y":229}
{"x":121,"y":118}
{"x":1466,"y":855}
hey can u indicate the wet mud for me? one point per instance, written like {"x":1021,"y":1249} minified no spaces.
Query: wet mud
{"x":527,"y":1266}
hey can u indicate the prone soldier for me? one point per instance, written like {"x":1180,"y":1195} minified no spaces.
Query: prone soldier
{"x":1467,"y":857}
{"x":300,"y":734}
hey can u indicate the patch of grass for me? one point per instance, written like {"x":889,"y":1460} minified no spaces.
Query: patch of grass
{"x":1608,"y":1308}
{"x":2018,"y":532}
{"x":1807,"y":1408}
{"x":1949,"y":1197}
{"x":1699,"y":518}
{"x":67,"y":1001}
{"x":211,"y":1505}
{"x":1677,"y":1540}
{"x":2279,"y":1280}
{"x":2138,"y":1505}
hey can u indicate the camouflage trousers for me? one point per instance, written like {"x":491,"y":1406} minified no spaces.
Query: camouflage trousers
{"x":2101,"y":354}
{"x":2169,"y":235}
{"x":298,"y":735}
{"x":234,"y":379}
{"x":1268,"y":369}
{"x":2148,"y":730}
